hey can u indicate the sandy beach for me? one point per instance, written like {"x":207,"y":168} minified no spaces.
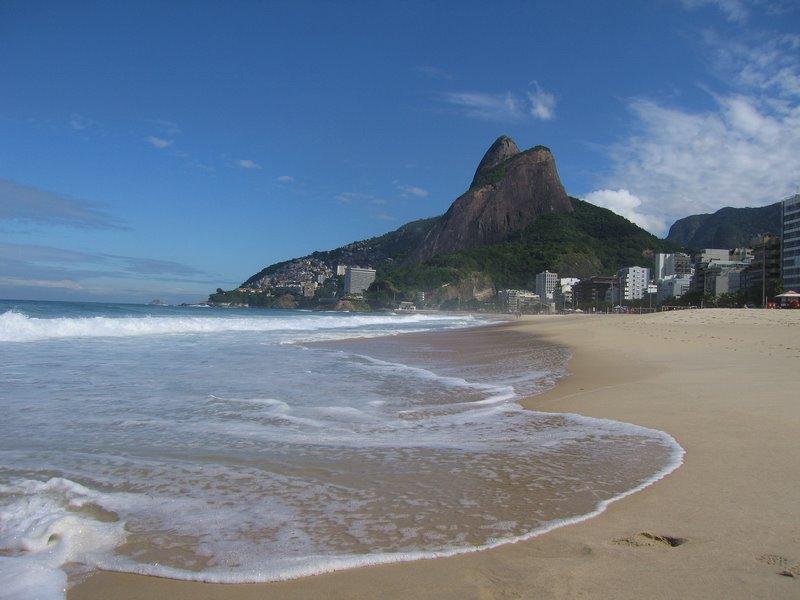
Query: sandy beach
{"x":723,"y":525}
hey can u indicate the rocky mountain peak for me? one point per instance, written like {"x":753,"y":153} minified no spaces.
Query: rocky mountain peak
{"x":502,"y":149}
{"x":510,"y":191}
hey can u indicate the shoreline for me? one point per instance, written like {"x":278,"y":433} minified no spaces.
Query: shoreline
{"x":724,"y":525}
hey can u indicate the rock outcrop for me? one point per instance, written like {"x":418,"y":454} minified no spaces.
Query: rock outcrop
{"x":502,"y":149}
{"x":510,"y":190}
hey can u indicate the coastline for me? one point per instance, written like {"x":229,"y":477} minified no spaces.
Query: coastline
{"x":724,"y":525}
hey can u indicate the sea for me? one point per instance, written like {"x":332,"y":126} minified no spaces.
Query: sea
{"x":243,"y":445}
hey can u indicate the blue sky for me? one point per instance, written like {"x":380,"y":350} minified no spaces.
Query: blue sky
{"x":164,"y":149}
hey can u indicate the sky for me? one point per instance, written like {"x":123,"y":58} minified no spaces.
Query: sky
{"x":162,"y":149}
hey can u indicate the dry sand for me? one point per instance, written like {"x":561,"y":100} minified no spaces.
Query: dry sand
{"x":726,"y":524}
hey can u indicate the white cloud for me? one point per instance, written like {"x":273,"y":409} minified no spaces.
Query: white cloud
{"x":40,"y":283}
{"x":351,"y":197}
{"x":158,"y":142}
{"x":434,"y":72}
{"x":25,"y":203}
{"x":741,"y":152}
{"x":360,"y":199}
{"x":248,"y":164}
{"x":412,"y":190}
{"x":626,"y":204}
{"x":543,"y":105}
{"x":734,"y":10}
{"x":508,"y":106}
{"x":491,"y":107}
{"x":766,"y":64}
{"x":285,"y":179}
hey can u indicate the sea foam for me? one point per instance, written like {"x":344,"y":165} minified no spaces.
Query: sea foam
{"x":16,"y":326}
{"x":45,"y":525}
{"x":208,"y":445}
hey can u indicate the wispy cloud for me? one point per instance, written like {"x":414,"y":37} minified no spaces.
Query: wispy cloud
{"x":248,"y":164}
{"x":150,"y":266}
{"x":766,"y":63}
{"x":412,"y":190}
{"x":56,"y":284}
{"x":507,"y":106}
{"x":285,"y":179}
{"x":169,"y":127}
{"x":29,"y":204}
{"x":543,"y":105}
{"x":743,"y":152}
{"x":734,"y":10}
{"x":48,"y":266}
{"x":158,"y":142}
{"x":432,"y":72}
{"x":490,"y":107}
{"x":79,"y":122}
{"x":351,"y":197}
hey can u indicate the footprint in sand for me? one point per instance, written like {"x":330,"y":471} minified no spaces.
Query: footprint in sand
{"x":644,"y":538}
{"x":786,"y":566}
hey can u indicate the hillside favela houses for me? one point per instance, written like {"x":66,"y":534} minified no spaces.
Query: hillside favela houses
{"x":557,"y":254}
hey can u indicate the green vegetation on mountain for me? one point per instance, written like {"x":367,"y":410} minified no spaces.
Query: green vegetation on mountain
{"x":590,"y":241}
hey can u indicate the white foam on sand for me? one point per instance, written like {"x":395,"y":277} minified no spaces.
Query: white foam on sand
{"x":45,"y":526}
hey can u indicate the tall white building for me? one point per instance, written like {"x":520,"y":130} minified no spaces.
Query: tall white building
{"x":356,"y":279}
{"x":546,"y":282}
{"x":790,"y":244}
{"x":632,"y":283}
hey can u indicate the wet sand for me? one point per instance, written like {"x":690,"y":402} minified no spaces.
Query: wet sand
{"x":724,"y":383}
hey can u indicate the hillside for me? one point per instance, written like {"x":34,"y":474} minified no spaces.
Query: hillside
{"x":588,"y":241}
{"x":515,"y":221}
{"x":726,"y":228}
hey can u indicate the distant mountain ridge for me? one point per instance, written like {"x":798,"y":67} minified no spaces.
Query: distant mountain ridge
{"x":726,"y":228}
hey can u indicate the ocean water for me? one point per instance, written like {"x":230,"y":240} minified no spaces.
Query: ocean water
{"x":229,"y":445}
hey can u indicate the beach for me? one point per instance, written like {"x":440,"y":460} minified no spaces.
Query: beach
{"x":723,"y":383}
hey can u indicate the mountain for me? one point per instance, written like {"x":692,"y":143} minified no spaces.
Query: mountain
{"x":590,"y":240}
{"x":726,"y":228}
{"x":514,"y":221}
{"x":502,"y":149}
{"x":510,"y":191}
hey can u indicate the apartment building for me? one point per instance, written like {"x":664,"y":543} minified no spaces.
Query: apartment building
{"x":356,"y":279}
{"x":546,"y":282}
{"x":631,"y":284}
{"x":790,"y":248}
